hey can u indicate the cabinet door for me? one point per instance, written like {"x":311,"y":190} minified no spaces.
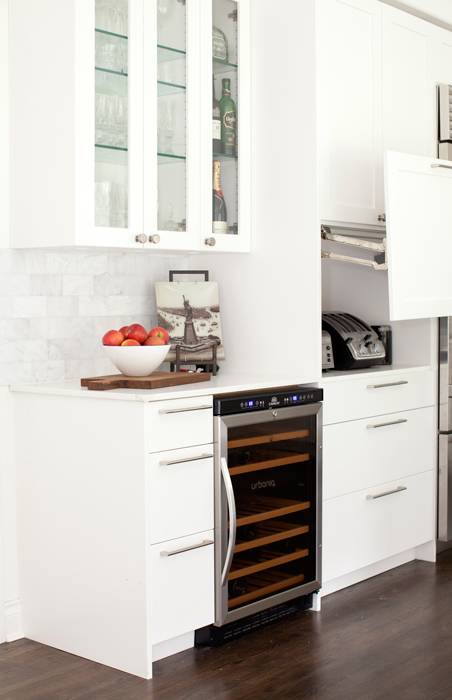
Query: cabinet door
{"x":349,"y":59}
{"x":419,"y":225}
{"x":182,"y":586}
{"x":225,"y":125}
{"x":409,"y":101}
{"x":171,"y":122}
{"x":109,"y":119}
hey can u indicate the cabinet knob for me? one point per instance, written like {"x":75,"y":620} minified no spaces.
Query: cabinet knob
{"x":210,"y":241}
{"x":141,"y":238}
{"x":154,"y":239}
{"x":382,"y":218}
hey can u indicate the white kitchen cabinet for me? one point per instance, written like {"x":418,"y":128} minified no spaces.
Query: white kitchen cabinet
{"x":376,"y":523}
{"x":349,"y":108}
{"x":408,"y":85}
{"x":419,"y":244}
{"x":378,"y":71}
{"x":182,"y":586}
{"x":112,"y":127}
{"x":379,"y":472}
{"x":115,"y":539}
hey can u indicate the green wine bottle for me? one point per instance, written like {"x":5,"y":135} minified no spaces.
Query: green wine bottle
{"x":228,"y":120}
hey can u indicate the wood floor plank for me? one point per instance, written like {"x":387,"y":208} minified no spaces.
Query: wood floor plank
{"x":389,"y":638}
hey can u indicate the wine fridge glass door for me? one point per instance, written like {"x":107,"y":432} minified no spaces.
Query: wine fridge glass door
{"x":271,"y":466}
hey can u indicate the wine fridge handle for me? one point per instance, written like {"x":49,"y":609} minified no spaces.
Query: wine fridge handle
{"x":232,"y":519}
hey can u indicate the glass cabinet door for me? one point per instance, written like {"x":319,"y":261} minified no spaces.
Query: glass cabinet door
{"x":225,"y":105}
{"x":111,"y":196}
{"x":171,"y":115}
{"x":227,"y":70}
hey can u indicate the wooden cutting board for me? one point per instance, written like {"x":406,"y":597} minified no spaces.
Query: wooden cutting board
{"x":156,"y":380}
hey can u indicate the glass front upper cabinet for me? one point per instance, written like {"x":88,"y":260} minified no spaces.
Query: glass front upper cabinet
{"x":111,"y":196}
{"x":228,"y":63}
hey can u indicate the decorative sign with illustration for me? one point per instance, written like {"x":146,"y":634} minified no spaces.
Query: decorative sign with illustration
{"x":190,"y":312}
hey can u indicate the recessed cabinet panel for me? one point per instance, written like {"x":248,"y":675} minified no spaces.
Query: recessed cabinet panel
{"x":349,"y":111}
{"x":409,"y":101}
{"x":419,"y":225}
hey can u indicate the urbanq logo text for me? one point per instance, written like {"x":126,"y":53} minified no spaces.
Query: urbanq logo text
{"x":270,"y":483}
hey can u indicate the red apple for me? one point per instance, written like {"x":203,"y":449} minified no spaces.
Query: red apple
{"x":155,"y":340}
{"x":137,"y":332}
{"x":113,"y":338}
{"x":130,"y":342}
{"x":159,"y":332}
{"x":124,"y":330}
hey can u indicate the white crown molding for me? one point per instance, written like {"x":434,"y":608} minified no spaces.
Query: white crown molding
{"x":428,"y":13}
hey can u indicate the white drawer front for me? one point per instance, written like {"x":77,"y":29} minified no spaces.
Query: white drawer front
{"x":182,"y":581}
{"x":363,"y":453}
{"x":358,"y":530}
{"x":360,"y":396}
{"x":179,"y":423}
{"x":181,"y":492}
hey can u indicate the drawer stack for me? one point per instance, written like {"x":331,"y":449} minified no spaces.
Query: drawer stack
{"x":179,"y":438}
{"x":379,"y":462}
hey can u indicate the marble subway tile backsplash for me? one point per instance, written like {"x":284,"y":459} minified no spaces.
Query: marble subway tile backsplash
{"x":55,"y":307}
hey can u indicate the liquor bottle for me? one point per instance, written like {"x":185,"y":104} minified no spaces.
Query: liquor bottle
{"x":220,"y":215}
{"x":228,"y":120}
{"x":216,"y":122}
{"x":219,"y":46}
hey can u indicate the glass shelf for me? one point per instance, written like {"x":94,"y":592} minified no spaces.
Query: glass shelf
{"x":111,"y":72}
{"x":223,"y":67}
{"x":168,"y":53}
{"x":107,"y":33}
{"x":111,"y":148}
{"x":165,"y":88}
{"x":170,"y":158}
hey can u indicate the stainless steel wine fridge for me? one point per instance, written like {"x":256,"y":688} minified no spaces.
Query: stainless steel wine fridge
{"x":267,"y":500}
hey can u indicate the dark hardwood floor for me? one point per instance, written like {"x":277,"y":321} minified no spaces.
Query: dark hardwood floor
{"x":387,"y":638}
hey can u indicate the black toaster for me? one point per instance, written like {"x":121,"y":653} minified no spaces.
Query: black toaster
{"x":356,"y":345}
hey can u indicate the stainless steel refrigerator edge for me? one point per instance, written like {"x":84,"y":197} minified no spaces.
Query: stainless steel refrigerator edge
{"x":445,"y":432}
{"x":225,"y":512}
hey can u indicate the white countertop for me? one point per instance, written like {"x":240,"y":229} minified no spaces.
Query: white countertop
{"x":223,"y":383}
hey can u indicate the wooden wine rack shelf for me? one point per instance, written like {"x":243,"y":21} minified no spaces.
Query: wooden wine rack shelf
{"x":267,"y":508}
{"x":264,"y":438}
{"x":266,"y":559}
{"x":265,"y":584}
{"x":271,"y":531}
{"x":269,"y":460}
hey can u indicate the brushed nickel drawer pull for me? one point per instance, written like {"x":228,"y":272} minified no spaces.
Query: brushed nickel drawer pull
{"x":441,"y":165}
{"x":399,"y":489}
{"x":184,"y":460}
{"x":167,"y":411}
{"x":173,"y":552}
{"x":388,"y":384}
{"x":385,"y":425}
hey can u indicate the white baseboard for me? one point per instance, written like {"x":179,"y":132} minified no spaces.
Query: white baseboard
{"x":378,"y":567}
{"x":13,"y":620}
{"x":173,"y":646}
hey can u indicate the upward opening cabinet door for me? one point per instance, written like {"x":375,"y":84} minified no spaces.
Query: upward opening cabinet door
{"x":419,"y":235}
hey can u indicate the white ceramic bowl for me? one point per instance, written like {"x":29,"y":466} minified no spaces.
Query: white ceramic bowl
{"x":137,"y":360}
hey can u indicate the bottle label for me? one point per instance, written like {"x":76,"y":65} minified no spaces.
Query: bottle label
{"x":216,"y":129}
{"x":229,"y":120}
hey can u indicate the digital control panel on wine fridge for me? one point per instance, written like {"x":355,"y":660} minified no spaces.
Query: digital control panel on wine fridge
{"x":267,"y":499}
